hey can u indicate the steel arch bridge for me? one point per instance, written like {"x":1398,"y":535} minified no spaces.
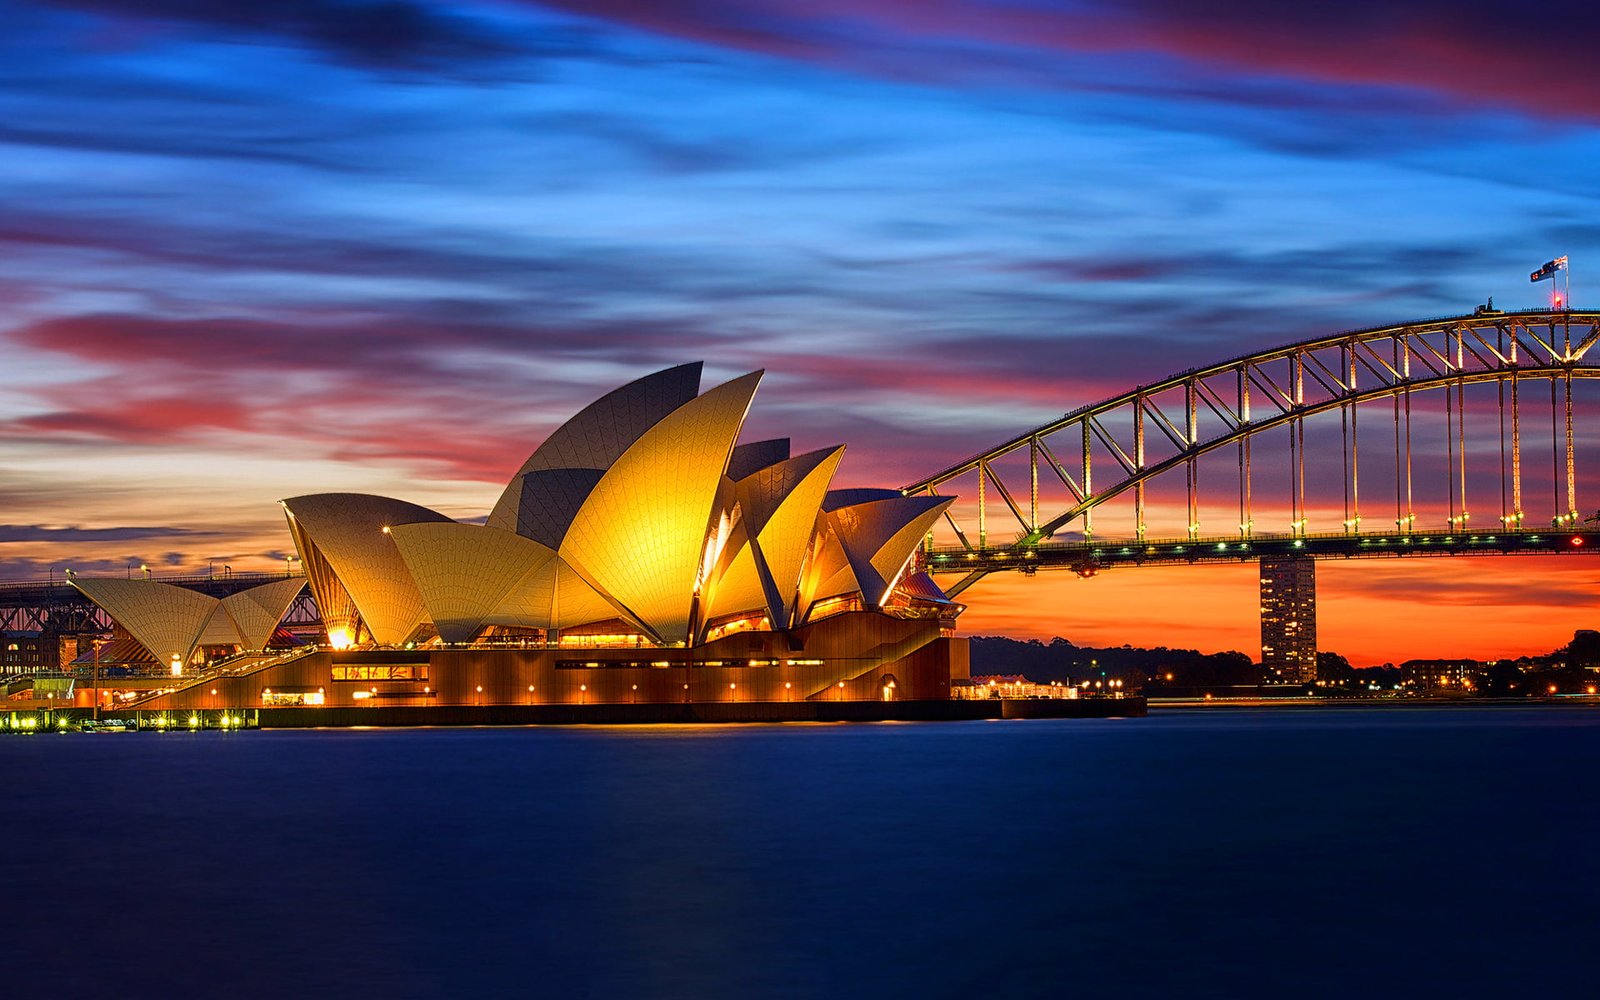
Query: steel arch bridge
{"x":1048,"y":484}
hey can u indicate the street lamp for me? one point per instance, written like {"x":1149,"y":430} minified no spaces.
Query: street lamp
{"x":96,"y":642}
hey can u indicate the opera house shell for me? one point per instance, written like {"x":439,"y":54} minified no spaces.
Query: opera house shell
{"x":641,"y":535}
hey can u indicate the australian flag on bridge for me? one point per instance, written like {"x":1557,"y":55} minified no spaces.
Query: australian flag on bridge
{"x":1549,"y":269}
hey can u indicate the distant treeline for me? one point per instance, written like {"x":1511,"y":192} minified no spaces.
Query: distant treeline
{"x":1060,"y":660}
{"x":1572,"y":668}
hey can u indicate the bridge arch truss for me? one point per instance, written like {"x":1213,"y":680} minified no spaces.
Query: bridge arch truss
{"x":1119,"y":447}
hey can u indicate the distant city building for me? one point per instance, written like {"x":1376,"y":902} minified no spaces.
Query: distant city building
{"x":1289,"y":618}
{"x":25,"y":653}
{"x":1009,"y":686}
{"x":1442,"y":676}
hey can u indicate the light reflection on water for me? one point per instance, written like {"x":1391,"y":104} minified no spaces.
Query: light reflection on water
{"x":1202,"y":854}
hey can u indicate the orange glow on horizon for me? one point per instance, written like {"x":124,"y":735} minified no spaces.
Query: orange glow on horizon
{"x":1370,"y":611}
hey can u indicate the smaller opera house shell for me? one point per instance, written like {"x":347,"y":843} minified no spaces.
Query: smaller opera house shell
{"x":641,"y":553}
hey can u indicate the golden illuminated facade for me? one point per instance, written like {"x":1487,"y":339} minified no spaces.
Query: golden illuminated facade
{"x":640,"y":539}
{"x":176,"y":624}
{"x":641,"y":519}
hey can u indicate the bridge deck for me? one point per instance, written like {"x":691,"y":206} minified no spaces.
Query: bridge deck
{"x":1087,"y":557}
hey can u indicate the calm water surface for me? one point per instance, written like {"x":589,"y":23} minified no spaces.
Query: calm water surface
{"x":1446,"y":852}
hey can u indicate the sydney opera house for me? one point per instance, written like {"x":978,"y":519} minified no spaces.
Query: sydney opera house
{"x":641,"y":555}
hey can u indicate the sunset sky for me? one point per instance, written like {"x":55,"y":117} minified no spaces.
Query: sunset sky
{"x":254,"y":250}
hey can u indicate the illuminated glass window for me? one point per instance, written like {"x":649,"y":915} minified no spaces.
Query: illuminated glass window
{"x":381,"y":672}
{"x":288,"y":698}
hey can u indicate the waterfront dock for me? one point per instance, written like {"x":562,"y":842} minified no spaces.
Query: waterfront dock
{"x":37,"y":720}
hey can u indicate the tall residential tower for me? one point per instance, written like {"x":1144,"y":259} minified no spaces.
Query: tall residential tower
{"x":1289,"y":618}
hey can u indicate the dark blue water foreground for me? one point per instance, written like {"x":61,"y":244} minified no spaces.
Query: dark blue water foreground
{"x":1427,"y":852}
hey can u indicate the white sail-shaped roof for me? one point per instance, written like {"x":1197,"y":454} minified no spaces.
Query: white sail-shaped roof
{"x":258,"y":611}
{"x":465,"y":572}
{"x":599,"y":434}
{"x":166,"y":620}
{"x":827,"y":571}
{"x":347,"y":530}
{"x":754,"y":456}
{"x":640,"y":537}
{"x":856,"y":495}
{"x":340,"y":617}
{"x":780,"y":505}
{"x":555,"y":597}
{"x":551,"y":498}
{"x":220,"y":629}
{"x":736,"y":583}
{"x":880,"y":536}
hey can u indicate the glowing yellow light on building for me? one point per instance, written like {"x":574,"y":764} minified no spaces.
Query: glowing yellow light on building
{"x":480,"y":689}
{"x":339,"y":637}
{"x":177,"y":665}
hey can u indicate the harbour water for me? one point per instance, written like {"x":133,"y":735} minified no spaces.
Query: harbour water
{"x":1218,"y":853}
